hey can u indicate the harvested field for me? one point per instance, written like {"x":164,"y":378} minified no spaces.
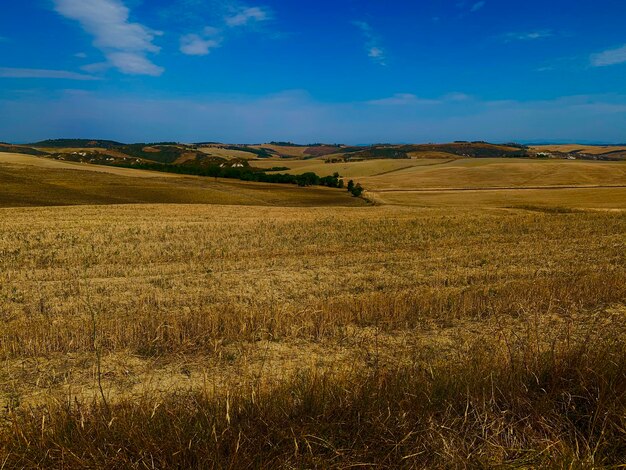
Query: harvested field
{"x":502,"y":173}
{"x":32,"y":181}
{"x":206,"y":302}
{"x":347,"y":170}
{"x":440,"y":328}
{"x":48,"y":163}
{"x":588,"y":149}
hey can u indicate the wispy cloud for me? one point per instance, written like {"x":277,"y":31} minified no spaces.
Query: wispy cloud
{"x":528,"y":36}
{"x":6,"y":72}
{"x":298,"y":117}
{"x":211,"y":37}
{"x":403,"y":99}
{"x":247,"y":15}
{"x":126,"y":45}
{"x":409,"y":99}
{"x":478,"y":6}
{"x":609,"y":57}
{"x":374,"y":49}
{"x":200,"y":44}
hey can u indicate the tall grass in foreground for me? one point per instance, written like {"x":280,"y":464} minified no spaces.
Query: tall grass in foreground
{"x":518,"y":401}
{"x":172,"y":280}
{"x":449,"y":339}
{"x":153,"y":330}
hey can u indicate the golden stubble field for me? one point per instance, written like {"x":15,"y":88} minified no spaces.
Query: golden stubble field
{"x":485,"y":182}
{"x":472,"y":333}
{"x":205,"y":302}
{"x":588,"y":149}
{"x":32,"y":181}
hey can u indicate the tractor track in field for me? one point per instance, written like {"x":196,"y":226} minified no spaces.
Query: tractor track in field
{"x":499,"y":188}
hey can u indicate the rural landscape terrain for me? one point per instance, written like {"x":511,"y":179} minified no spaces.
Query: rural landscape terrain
{"x":212,"y":305}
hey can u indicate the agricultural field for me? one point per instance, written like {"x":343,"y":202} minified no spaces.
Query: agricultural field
{"x":347,"y":170}
{"x":486,"y":173}
{"x":472,"y":313}
{"x":219,"y":151}
{"x":465,"y":173}
{"x":484,"y":182}
{"x":17,"y":161}
{"x":285,"y":150}
{"x":588,"y":149}
{"x":33,"y":181}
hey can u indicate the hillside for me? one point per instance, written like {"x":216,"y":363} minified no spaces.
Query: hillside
{"x":10,"y":148}
{"x":584,"y":152}
{"x":168,"y":319}
{"x":33,"y":181}
{"x":172,"y":152}
{"x":276,"y":161}
{"x":76,"y":143}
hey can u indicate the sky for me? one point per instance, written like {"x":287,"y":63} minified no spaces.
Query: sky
{"x":334,"y":71}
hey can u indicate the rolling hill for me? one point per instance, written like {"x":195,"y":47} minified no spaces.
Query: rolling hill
{"x":33,"y":181}
{"x":76,"y":143}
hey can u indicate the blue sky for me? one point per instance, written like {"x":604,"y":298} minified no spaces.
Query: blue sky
{"x":334,"y":71}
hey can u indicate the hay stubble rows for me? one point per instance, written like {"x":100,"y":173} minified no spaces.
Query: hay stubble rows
{"x":247,"y":336}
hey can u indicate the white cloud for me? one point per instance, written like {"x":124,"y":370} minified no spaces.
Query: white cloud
{"x":409,"y":99}
{"x":298,"y":117}
{"x":80,"y":55}
{"x":456,"y":96}
{"x":212,"y":37}
{"x":98,"y":67}
{"x":529,"y":36}
{"x":193,"y":44}
{"x":125,"y":44}
{"x":247,"y":15}
{"x":478,"y":5}
{"x":131,"y":63}
{"x":376,"y":53}
{"x":403,"y":99}
{"x":609,"y":57}
{"x":6,"y":72}
{"x":372,"y":43}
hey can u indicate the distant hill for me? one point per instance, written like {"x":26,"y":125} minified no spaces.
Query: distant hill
{"x":453,"y":150}
{"x":9,"y":148}
{"x":471,"y":149}
{"x":77,"y":143}
{"x":159,"y":152}
{"x":202,"y":154}
{"x":582,"y":152}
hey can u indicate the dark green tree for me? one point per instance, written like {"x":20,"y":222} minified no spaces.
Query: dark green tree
{"x":357,"y":190}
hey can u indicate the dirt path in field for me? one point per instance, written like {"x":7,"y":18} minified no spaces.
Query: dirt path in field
{"x":496,"y":188}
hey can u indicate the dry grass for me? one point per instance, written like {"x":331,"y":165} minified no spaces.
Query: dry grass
{"x":59,"y":184}
{"x":286,"y":150}
{"x":589,"y":149}
{"x":567,"y":199}
{"x":480,"y":182}
{"x":217,"y":151}
{"x":238,"y":273}
{"x":17,"y":159}
{"x":527,"y":400}
{"x":347,"y":170}
{"x":501,"y":173}
{"x":319,"y":337}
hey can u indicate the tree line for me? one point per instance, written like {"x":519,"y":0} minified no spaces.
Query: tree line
{"x":244,"y":174}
